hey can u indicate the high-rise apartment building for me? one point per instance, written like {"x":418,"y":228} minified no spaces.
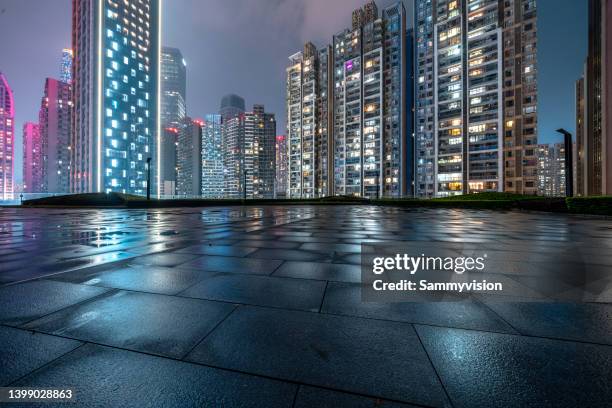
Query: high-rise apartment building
{"x":597,"y":149}
{"x":369,"y":105}
{"x":173,"y":111}
{"x":55,"y":121}
{"x":476,"y":119}
{"x":32,"y":159}
{"x":347,"y":110}
{"x":7,"y":139}
{"x":212,"y":157}
{"x":189,"y":158}
{"x":308,"y":119}
{"x":116,"y":93}
{"x":551,"y":169}
{"x":66,"y":66}
{"x":282,"y":167}
{"x":249,"y":142}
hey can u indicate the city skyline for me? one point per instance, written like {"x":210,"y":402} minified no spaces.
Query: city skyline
{"x":555,"y":87}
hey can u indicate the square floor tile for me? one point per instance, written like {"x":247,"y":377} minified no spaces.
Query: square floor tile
{"x":290,"y":255}
{"x":588,"y":322}
{"x":220,"y":250}
{"x":320,"y":270}
{"x":164,"y":325}
{"x":381,"y":359}
{"x":498,"y":370}
{"x":345,"y":299}
{"x":164,"y":259}
{"x":210,"y":263}
{"x":23,"y":302}
{"x":269,"y":291}
{"x":103,"y":376}
{"x":153,"y":279}
{"x":269,"y":244}
{"x":23,"y":351}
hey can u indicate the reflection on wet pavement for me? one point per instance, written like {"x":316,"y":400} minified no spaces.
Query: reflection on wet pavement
{"x":262,"y":305}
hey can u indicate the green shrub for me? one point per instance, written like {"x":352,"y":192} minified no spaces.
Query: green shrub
{"x":598,"y":205}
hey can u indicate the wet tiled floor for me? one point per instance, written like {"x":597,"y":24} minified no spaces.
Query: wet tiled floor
{"x":261,"y":306}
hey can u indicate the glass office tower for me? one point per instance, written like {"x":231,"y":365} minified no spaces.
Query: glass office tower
{"x":173,"y":112}
{"x":116,"y":92}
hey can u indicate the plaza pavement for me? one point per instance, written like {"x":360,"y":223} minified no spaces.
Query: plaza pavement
{"x":261,"y":307}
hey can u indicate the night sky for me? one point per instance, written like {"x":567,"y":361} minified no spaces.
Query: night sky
{"x":242,"y":46}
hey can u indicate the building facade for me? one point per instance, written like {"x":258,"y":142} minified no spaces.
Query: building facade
{"x":32,"y":159}
{"x":173,"y":112}
{"x":347,"y":110}
{"x":369,"y":105}
{"x":212,"y":157}
{"x":580,"y":141}
{"x":309,"y":112}
{"x":551,"y":169}
{"x":7,"y":140}
{"x":116,"y":93}
{"x":596,"y":162}
{"x":55,"y":121}
{"x":189,"y":158}
{"x":66,"y":66}
{"x":231,"y":106}
{"x":249,"y":155}
{"x":282,"y":167}
{"x":475,"y":118}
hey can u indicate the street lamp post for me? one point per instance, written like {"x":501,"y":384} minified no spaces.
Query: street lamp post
{"x":569,"y":165}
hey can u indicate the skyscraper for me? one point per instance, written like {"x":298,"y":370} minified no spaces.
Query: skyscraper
{"x":551,"y":169}
{"x":598,"y":106}
{"x":66,"y":66}
{"x":32,"y":159}
{"x":282,"y":167}
{"x":346,"y":110}
{"x":173,"y":86}
{"x":167,"y":168}
{"x":260,"y":152}
{"x":55,"y":122}
{"x":308,"y":107}
{"x":116,"y":95}
{"x":579,"y":144}
{"x":249,"y":142}
{"x":231,"y":106}
{"x":173,"y":111}
{"x":212,"y":157}
{"x":189,"y":158}
{"x":476,"y":92}
{"x":7,"y":139}
{"x":370,"y":105}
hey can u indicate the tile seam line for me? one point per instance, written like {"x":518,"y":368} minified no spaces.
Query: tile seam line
{"x":48,"y":362}
{"x":432,"y":365}
{"x":184,"y":356}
